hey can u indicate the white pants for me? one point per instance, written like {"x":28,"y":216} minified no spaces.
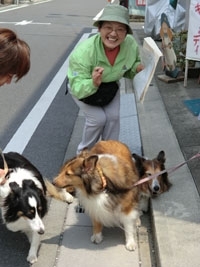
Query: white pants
{"x":101,"y":123}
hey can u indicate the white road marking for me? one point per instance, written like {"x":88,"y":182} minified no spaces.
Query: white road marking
{"x":25,"y":22}
{"x":13,"y":7}
{"x":24,"y":133}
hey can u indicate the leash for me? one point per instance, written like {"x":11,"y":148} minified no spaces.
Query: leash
{"x":170,"y":170}
{"x":5,"y":170}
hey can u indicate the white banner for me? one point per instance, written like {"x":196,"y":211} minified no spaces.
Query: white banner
{"x":193,"y":38}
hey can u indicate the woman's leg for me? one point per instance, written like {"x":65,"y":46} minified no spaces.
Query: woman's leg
{"x":112,"y":124}
{"x":95,"y":120}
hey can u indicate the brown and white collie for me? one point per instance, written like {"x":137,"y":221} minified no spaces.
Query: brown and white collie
{"x":155,"y":186}
{"x":103,"y":178}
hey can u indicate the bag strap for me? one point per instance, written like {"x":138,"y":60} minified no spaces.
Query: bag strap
{"x":66,"y":85}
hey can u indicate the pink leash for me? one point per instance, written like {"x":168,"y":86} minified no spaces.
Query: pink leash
{"x":170,"y":170}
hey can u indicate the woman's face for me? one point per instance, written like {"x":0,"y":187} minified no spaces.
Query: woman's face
{"x":5,"y":79}
{"x":112,"y":34}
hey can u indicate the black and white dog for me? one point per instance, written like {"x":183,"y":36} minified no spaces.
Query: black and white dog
{"x":23,"y":198}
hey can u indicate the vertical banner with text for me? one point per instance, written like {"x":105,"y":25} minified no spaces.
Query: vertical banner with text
{"x":193,"y":38}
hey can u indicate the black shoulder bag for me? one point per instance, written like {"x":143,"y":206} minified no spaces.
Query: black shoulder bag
{"x":104,"y":95}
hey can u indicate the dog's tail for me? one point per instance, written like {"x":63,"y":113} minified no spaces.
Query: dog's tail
{"x":58,"y":193}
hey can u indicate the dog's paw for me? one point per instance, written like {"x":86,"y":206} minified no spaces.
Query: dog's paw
{"x":97,"y":238}
{"x":131,"y":246}
{"x":31,"y":258}
{"x":68,"y":197}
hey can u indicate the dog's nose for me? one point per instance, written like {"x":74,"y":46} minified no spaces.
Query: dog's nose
{"x":156,"y":188}
{"x":41,"y":231}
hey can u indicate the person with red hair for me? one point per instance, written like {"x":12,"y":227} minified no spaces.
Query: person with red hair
{"x":14,"y":57}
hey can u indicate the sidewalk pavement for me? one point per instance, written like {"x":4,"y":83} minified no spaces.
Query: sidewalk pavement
{"x":175,"y":215}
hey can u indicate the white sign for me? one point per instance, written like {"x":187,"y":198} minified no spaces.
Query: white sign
{"x":193,"y":38}
{"x":150,"y":55}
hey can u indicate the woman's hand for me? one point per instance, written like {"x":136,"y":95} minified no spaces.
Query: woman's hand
{"x":97,"y":76}
{"x":139,"y":68}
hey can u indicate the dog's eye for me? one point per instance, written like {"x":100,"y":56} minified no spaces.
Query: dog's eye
{"x":39,"y":208}
{"x":31,"y":212}
{"x":69,"y":175}
{"x":148,"y":174}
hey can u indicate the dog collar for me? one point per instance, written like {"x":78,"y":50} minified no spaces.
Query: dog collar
{"x":103,"y":179}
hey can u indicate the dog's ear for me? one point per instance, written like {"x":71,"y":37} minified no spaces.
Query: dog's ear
{"x":161,"y":156}
{"x":28,"y":183}
{"x":15,"y":188}
{"x":89,"y":166}
{"x":138,"y":158}
{"x":139,"y":164}
{"x":90,"y":163}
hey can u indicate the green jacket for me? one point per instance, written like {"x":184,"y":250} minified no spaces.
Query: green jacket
{"x":90,"y":54}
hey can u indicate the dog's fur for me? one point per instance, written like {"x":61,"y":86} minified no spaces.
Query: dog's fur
{"x":156,"y":186}
{"x":104,"y":179}
{"x":23,"y":198}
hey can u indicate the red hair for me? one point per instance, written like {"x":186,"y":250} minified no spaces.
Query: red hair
{"x":14,"y":54}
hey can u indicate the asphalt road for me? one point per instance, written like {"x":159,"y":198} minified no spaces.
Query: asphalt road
{"x":37,"y":118}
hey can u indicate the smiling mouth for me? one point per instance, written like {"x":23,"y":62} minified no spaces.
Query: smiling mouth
{"x":113,"y":40}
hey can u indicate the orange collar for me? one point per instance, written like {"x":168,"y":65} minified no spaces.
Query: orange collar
{"x":103,"y":179}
